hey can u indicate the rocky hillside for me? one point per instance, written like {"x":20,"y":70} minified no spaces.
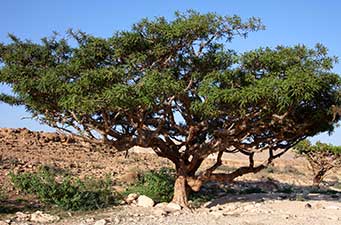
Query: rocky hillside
{"x":25,"y":150}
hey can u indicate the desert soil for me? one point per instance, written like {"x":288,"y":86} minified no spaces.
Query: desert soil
{"x":283,"y":194}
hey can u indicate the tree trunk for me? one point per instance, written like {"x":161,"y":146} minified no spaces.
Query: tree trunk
{"x":181,"y":192}
{"x":318,"y":178}
{"x":181,"y":188}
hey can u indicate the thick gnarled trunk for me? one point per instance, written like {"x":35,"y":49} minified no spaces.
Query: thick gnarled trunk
{"x":181,"y":188}
{"x":181,"y":191}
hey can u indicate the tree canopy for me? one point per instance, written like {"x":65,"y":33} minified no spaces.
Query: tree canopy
{"x":322,"y":158}
{"x":177,"y":87}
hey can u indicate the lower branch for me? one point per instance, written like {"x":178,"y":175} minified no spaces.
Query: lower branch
{"x":196,"y":182}
{"x":229,"y":177}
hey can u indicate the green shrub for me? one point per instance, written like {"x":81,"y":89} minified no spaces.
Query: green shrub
{"x":68,"y":193}
{"x":158,"y":185}
{"x":198,"y":198}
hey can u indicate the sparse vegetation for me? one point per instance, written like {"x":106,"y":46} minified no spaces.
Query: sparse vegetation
{"x":65,"y":192}
{"x":198,"y":198}
{"x":157,"y":185}
{"x":2,"y":194}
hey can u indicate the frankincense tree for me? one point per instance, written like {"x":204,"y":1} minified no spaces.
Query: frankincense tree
{"x":322,"y":158}
{"x":176,"y":87}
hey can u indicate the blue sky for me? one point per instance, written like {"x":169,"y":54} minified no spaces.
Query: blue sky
{"x":287,"y":23}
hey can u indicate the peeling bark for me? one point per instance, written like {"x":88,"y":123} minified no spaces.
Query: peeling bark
{"x":181,"y":188}
{"x":181,"y":192}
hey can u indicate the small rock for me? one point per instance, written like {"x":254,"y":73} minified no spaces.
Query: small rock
{"x":3,"y":223}
{"x":308,"y":206}
{"x":131,"y":197}
{"x":207,"y":204}
{"x":89,"y":220}
{"x":217,"y":208}
{"x":145,"y":201}
{"x":177,"y":213}
{"x":123,"y":202}
{"x":116,"y":220}
{"x":101,"y":222}
{"x":41,"y":217}
{"x":173,"y":207}
{"x":161,"y":205}
{"x":258,"y":204}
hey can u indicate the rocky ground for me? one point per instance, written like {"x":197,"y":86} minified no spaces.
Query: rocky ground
{"x":278,"y":195}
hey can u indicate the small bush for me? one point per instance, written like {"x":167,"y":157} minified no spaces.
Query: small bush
{"x":158,"y":185}
{"x":198,"y":198}
{"x":68,"y":193}
{"x":292,"y":170}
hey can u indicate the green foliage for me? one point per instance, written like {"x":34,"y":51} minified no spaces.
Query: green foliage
{"x":102,"y":73}
{"x":305,"y":147}
{"x":158,"y":185}
{"x":67,"y":193}
{"x":276,"y":78}
{"x":102,"y":82}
